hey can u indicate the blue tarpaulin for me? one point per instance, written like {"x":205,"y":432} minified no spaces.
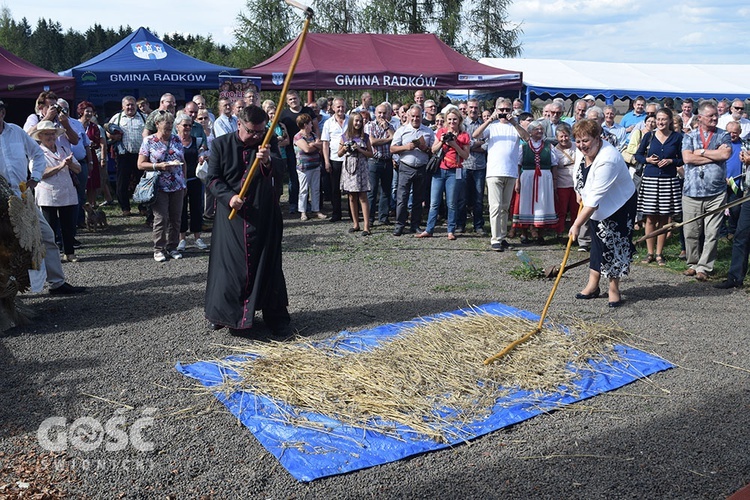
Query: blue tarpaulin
{"x":310,"y":454}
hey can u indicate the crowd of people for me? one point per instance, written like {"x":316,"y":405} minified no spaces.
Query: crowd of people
{"x":544,"y":179}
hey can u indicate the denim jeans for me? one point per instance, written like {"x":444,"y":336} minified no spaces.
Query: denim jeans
{"x":381,"y":176}
{"x":474,"y":190}
{"x":444,"y":181}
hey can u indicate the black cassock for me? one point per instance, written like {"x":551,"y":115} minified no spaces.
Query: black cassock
{"x":244,"y":269}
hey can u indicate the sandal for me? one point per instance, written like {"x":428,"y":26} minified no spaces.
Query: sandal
{"x":649,"y":259}
{"x":660,"y":260}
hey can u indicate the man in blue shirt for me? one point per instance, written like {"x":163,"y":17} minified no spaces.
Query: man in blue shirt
{"x":635,"y":116}
{"x":705,"y":151}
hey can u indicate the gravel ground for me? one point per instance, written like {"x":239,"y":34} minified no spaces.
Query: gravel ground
{"x":685,"y":433}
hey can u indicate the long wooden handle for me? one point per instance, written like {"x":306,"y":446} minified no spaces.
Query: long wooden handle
{"x":538,"y":328}
{"x":270,"y":132}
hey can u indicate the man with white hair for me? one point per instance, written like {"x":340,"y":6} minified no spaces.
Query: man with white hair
{"x":617,"y":130}
{"x":595,"y":113}
{"x":201,"y":102}
{"x":503,"y":135}
{"x":735,"y":115}
{"x":167,"y":103}
{"x":430,"y":111}
{"x":552,"y":118}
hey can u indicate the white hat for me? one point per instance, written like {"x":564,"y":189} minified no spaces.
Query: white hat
{"x":46,"y":125}
{"x":589,"y":97}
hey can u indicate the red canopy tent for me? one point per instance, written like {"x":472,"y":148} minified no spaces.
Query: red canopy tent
{"x":389,"y":62}
{"x":20,"y":79}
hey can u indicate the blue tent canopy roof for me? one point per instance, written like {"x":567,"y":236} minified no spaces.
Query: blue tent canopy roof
{"x":143,"y":61}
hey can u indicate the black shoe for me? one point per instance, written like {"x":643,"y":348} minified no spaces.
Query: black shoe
{"x":727,"y":284}
{"x":334,"y":219}
{"x":398,"y":231}
{"x":76,"y":243}
{"x":505,"y":244}
{"x":66,"y":289}
{"x":498,"y":247}
{"x":215,"y":326}
{"x":616,"y":304}
{"x":584,"y":248}
{"x":593,"y":295}
{"x":414,"y":230}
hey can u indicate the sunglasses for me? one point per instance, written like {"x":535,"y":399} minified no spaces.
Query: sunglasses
{"x":738,"y":108}
{"x":504,"y":110}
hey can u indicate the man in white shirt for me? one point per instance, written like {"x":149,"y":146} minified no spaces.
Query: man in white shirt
{"x":21,"y":154}
{"x":503,"y":135}
{"x":735,"y":115}
{"x":333,"y":129}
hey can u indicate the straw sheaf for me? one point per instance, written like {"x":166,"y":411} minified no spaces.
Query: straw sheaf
{"x":429,"y":378}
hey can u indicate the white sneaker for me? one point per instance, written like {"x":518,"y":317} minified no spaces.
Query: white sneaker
{"x":199,"y":243}
{"x":175,"y":254}
{"x":160,"y":257}
{"x":181,"y":245}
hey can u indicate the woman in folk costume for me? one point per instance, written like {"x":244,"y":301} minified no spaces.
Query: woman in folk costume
{"x":535,"y":186}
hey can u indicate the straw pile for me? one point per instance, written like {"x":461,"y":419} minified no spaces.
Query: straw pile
{"x":430,"y":377}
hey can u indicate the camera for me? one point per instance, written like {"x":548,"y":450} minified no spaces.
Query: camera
{"x":448,"y":137}
{"x":350,"y":146}
{"x":60,"y":110}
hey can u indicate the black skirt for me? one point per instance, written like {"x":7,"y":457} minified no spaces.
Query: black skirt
{"x":612,"y":246}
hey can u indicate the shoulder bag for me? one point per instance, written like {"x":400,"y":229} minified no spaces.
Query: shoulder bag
{"x":433,"y":164}
{"x":145,"y":191}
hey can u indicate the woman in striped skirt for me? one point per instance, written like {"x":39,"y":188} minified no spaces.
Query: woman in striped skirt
{"x":659,"y":196}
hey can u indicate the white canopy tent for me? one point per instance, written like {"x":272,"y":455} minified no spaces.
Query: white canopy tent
{"x":609,"y":81}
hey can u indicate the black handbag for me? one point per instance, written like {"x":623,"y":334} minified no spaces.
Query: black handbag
{"x":433,"y":165}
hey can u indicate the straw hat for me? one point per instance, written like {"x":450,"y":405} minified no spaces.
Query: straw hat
{"x":44,"y":126}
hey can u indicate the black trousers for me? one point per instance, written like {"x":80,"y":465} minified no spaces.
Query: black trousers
{"x":127,"y":174}
{"x":66,"y":218}
{"x":193,"y":198}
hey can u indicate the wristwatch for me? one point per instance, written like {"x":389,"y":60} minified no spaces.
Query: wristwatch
{"x":703,"y":152}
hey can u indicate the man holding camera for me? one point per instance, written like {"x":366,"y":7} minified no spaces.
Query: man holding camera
{"x":47,"y":108}
{"x":412,"y":142}
{"x":503,"y":135}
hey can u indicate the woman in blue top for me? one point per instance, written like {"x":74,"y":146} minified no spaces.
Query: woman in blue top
{"x":660,"y":194}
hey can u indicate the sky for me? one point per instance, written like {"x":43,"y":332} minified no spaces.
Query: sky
{"x":656,"y":31}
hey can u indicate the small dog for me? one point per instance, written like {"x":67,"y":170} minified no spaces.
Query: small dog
{"x":95,"y":217}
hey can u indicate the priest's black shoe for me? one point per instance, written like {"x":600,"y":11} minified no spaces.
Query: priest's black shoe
{"x":66,"y":289}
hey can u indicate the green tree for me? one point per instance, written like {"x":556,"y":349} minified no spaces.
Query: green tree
{"x":337,"y":16}
{"x":265,"y":28}
{"x":47,"y":45}
{"x":14,"y":36}
{"x":489,"y":32}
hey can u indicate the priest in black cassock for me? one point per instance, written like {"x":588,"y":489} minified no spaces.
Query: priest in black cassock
{"x":244,"y":270}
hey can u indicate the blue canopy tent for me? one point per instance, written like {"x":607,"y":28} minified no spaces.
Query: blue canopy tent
{"x":143,"y":66}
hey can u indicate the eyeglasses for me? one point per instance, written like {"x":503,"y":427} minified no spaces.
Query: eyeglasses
{"x":738,"y":108}
{"x":555,"y":112}
{"x":201,"y":118}
{"x":504,"y":110}
{"x":254,"y":132}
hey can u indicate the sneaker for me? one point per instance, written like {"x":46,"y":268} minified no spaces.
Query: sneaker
{"x":175,"y":254}
{"x":76,"y":243}
{"x":199,"y":243}
{"x":497,"y":247}
{"x":583,"y":248}
{"x":181,"y":245}
{"x":160,"y":257}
